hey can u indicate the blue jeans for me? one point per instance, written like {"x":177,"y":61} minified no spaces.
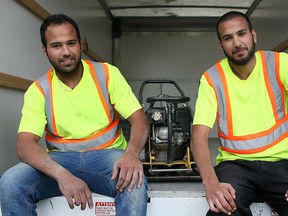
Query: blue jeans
{"x":21,"y":187}
{"x":254,"y":181}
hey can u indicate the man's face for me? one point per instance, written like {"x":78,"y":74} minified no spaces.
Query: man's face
{"x":237,"y":41}
{"x":63,"y":48}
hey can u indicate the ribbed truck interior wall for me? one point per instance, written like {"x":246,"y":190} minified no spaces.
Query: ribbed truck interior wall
{"x":181,"y":57}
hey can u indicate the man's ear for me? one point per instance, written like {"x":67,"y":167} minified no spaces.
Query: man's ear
{"x":220,"y":46}
{"x":44,"y":51}
{"x":254,"y":35}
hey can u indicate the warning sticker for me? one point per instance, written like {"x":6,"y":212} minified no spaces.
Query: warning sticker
{"x":105,"y":209}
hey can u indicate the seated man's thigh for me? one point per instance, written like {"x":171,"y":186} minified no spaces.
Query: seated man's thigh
{"x":243,"y":179}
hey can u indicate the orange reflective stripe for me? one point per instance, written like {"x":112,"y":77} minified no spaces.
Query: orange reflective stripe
{"x":42,"y":92}
{"x":227,"y":98}
{"x":88,"y":143}
{"x":49,"y":78}
{"x":227,"y":108}
{"x":106,"y":74}
{"x":38,"y":86}
{"x":250,"y":151}
{"x":277,"y":71}
{"x":208,"y":78}
{"x":109,"y":143}
{"x":51,"y":137}
{"x":256,"y":135}
{"x":255,"y":150}
{"x":99,"y":140}
{"x":268,"y":86}
{"x":106,"y":71}
{"x":105,"y":105}
{"x":260,"y":141}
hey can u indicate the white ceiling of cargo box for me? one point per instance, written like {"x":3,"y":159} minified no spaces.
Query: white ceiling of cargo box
{"x":171,"y":15}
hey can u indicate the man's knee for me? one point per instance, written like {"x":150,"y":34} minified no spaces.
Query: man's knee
{"x":137,"y":195}
{"x":132,"y":203}
{"x":9,"y":184}
{"x":13,"y":180}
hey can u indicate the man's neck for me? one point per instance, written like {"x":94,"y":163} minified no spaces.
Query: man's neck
{"x":72,"y":79}
{"x":243,"y":71}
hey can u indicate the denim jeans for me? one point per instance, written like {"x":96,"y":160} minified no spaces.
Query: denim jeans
{"x":21,"y":187}
{"x":254,"y":181}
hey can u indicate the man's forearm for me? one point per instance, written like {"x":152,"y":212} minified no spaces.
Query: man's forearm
{"x":138,"y":133}
{"x":201,"y":154}
{"x":31,"y":153}
{"x":204,"y":164}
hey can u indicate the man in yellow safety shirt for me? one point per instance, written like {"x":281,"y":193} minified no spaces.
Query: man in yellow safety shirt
{"x":78,"y":103}
{"x":246,"y":92}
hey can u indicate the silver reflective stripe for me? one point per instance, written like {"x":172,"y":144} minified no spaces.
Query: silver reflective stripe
{"x":84,"y":144}
{"x":44,"y":84}
{"x":258,"y":142}
{"x":239,"y":142}
{"x":100,"y":74}
{"x":218,"y":87}
{"x":271,"y":68}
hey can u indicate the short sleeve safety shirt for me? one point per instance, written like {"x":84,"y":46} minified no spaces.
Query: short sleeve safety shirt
{"x":250,"y":106}
{"x":79,"y":111}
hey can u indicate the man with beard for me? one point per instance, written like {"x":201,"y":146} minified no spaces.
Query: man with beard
{"x":246,"y":92}
{"x":78,"y":103}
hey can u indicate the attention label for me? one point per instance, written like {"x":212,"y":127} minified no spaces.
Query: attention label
{"x":105,"y":209}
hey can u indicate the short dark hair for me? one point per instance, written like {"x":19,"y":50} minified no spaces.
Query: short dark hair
{"x":54,"y":20}
{"x":230,"y":15}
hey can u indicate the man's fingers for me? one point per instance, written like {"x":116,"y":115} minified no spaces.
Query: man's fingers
{"x":77,"y":200}
{"x":83,"y":201}
{"x":141,"y":177}
{"x":128,"y":174}
{"x":121,"y":178}
{"x":213,"y":207}
{"x":124,"y":179}
{"x":232,"y":191}
{"x":137,"y":179}
{"x":224,"y":202}
{"x":84,"y":198}
{"x":133,"y":181}
{"x":89,"y":198}
{"x":222,"y":205}
{"x":229,"y":197}
{"x":70,"y":201}
{"x":80,"y":198}
{"x":115,"y":171}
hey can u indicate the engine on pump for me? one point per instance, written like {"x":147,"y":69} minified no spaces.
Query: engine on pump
{"x":167,"y":154}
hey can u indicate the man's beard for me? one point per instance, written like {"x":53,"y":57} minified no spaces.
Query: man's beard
{"x":242,"y":61}
{"x":66,"y":71}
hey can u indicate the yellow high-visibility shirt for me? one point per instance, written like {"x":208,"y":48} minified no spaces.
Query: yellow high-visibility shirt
{"x":250,"y":105}
{"x":79,"y":112}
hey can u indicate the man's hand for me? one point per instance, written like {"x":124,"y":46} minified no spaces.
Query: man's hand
{"x":286,"y":195}
{"x":220,"y":197}
{"x":131,"y":171}
{"x":76,"y":191}
{"x":129,"y":167}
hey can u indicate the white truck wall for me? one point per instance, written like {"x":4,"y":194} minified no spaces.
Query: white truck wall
{"x":182,"y":57}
